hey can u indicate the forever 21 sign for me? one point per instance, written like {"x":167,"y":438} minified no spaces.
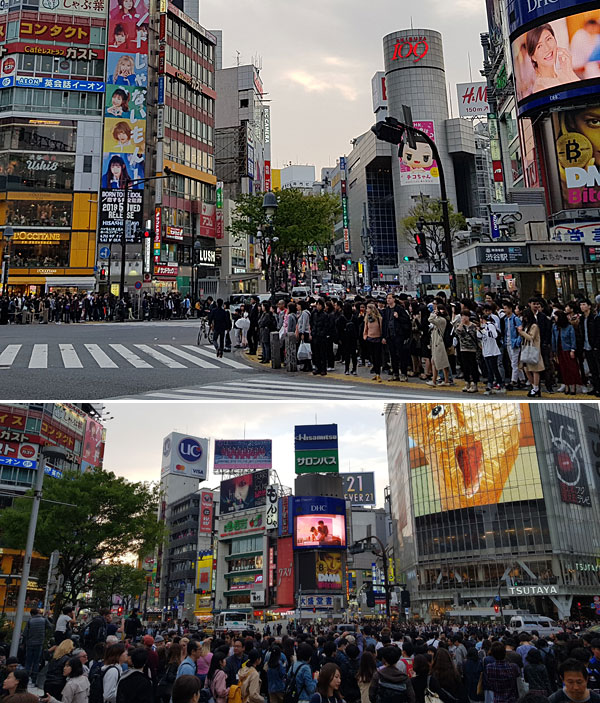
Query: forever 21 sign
{"x":408,"y":47}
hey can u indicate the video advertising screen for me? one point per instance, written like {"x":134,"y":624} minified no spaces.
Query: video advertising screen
{"x":558,"y":56}
{"x":315,"y":531}
{"x":244,"y":492}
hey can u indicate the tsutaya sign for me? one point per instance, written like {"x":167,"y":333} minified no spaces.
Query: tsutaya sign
{"x":533,"y":590}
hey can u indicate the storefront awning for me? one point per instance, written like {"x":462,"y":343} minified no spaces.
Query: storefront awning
{"x":71,"y":281}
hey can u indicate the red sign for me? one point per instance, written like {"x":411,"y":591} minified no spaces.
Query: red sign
{"x":55,"y":31}
{"x":162,"y":27}
{"x":174,"y":233}
{"x":14,"y":450}
{"x":409,"y":47}
{"x":219,"y":228}
{"x":285,"y":572}
{"x":497,"y":169}
{"x":158,"y":220}
{"x":284,"y":515}
{"x":8,"y":66}
{"x":92,"y":443}
{"x":166,"y":271}
{"x":346,"y":241}
{"x":77,"y":53}
{"x":267,"y":176}
{"x":207,"y":221}
{"x":12,"y":420}
{"x":206,"y":512}
{"x":383,"y":89}
{"x":271,"y":567}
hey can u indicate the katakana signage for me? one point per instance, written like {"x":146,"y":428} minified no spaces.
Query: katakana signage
{"x":55,"y":31}
{"x":316,"y":449}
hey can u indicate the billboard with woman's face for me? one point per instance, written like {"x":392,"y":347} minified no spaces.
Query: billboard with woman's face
{"x":557,"y":60}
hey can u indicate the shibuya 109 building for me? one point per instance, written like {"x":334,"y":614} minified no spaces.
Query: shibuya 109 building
{"x":494,"y":504}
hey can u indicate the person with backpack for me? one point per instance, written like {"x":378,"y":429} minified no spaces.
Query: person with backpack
{"x":389,"y":684}
{"x":132,"y":626}
{"x":276,"y":675}
{"x":250,"y":679}
{"x":96,"y":631}
{"x":189,"y":664}
{"x":165,"y":684}
{"x":328,"y":685}
{"x":135,"y":686}
{"x":350,"y":689}
{"x":216,"y":678}
{"x":103,"y":688}
{"x":301,"y":685}
{"x":77,"y":686}
{"x":55,"y":678}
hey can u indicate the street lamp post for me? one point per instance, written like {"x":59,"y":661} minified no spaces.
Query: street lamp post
{"x":358,"y":547}
{"x":391,"y":130}
{"x":50,"y":451}
{"x":7,"y":235}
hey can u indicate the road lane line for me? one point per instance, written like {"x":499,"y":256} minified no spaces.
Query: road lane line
{"x":9,"y":354}
{"x":69,"y":357}
{"x":223,"y":360}
{"x":100,"y":357}
{"x":163,"y":358}
{"x":39,"y":357}
{"x":184,"y":355}
{"x":130,"y":357}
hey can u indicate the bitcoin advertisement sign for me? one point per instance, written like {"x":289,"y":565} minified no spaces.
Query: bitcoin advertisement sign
{"x":577,"y":145}
{"x":467,"y":455}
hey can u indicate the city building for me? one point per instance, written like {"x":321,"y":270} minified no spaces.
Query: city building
{"x":51,"y":102}
{"x":495,"y":499}
{"x":299,"y":176}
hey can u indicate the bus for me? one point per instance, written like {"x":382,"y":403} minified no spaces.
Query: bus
{"x":233,"y":620}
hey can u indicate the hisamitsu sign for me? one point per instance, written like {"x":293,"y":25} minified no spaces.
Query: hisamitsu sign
{"x":316,"y":449}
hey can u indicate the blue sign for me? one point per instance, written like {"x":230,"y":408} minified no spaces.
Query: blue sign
{"x":522,"y":12}
{"x":7,"y":82}
{"x":104,"y":253}
{"x":307,"y":437}
{"x":342,"y":163}
{"x":190,"y":450}
{"x":553,"y":96}
{"x":60,"y":84}
{"x":494,"y":227}
{"x":18,"y":463}
{"x":53,"y":473}
{"x":318,"y":505}
{"x":161,"y":90}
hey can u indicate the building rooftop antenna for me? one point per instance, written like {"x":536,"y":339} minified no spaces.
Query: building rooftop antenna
{"x":237,"y":59}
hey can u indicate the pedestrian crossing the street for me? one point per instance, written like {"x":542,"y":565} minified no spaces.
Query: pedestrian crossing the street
{"x":114,"y":356}
{"x":264,"y":388}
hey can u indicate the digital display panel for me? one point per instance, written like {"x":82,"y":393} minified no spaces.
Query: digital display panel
{"x":244,"y":492}
{"x":315,"y":531}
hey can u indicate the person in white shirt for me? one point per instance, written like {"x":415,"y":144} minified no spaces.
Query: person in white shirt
{"x":64,"y":624}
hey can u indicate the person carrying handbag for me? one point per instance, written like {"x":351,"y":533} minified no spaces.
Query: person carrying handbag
{"x":531,"y":357}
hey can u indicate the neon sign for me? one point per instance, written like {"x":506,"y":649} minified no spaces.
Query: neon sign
{"x":410,"y":46}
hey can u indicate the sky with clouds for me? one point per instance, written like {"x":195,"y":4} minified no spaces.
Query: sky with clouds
{"x":135,"y":434}
{"x":318,"y":57}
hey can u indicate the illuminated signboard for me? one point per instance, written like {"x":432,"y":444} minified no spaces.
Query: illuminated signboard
{"x":410,"y":48}
{"x":59,"y":84}
{"x":55,"y":31}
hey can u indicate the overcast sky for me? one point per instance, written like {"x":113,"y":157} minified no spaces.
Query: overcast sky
{"x":135,"y":434}
{"x":318,"y":57}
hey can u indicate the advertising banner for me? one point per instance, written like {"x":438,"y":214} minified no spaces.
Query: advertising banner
{"x":93,"y":449}
{"x":577,"y":147}
{"x":319,"y":522}
{"x":285,"y":572}
{"x":592,"y":434}
{"x":244,"y":492}
{"x":417,"y":166}
{"x":359,"y":489}
{"x":521,"y":12}
{"x":569,"y":462}
{"x":185,"y":455}
{"x":19,"y":452}
{"x":557,"y":60}
{"x":240,"y":525}
{"x":286,"y":516}
{"x":76,"y":8}
{"x":243,"y":454}
{"x":316,"y":449}
{"x":584,"y":233}
{"x":125,"y":120}
{"x":272,"y":507}
{"x":329,"y":571}
{"x":472,"y":99}
{"x":206,"y":512}
{"x":471,"y":455}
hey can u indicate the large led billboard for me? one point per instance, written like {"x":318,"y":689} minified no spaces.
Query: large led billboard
{"x":557,"y":60}
{"x":244,"y":492}
{"x":319,"y":522}
{"x":467,"y":455}
{"x":243,"y":454}
{"x":576,"y":135}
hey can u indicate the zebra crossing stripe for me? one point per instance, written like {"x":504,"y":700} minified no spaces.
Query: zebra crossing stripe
{"x":9,"y":354}
{"x":129,"y":356}
{"x":223,"y":360}
{"x":163,"y":358}
{"x":100,"y":356}
{"x":184,"y":355}
{"x":69,"y":357}
{"x":39,"y":357}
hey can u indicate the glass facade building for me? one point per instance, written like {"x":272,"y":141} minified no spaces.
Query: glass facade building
{"x":495,"y":498}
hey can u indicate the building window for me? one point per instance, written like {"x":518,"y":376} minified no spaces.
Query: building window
{"x":244,"y":102}
{"x":87,"y":164}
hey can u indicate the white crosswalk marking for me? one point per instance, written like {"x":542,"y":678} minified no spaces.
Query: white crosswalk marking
{"x":129,"y":356}
{"x":166,"y":360}
{"x":189,"y":357}
{"x":9,"y":354}
{"x":223,"y":360}
{"x":39,"y":357}
{"x":100,"y":356}
{"x":69,"y":357}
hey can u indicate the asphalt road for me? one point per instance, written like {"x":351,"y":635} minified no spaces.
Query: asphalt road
{"x":161,"y":361}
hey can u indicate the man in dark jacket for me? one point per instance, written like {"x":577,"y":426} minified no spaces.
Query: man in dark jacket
{"x":34,"y":635}
{"x":320,"y":329}
{"x":220,"y":321}
{"x":590,"y":324}
{"x":97,"y":629}
{"x":395,"y":334}
{"x":134,"y":686}
{"x":133,"y":626}
{"x":252,"y":334}
{"x":389,"y":684}
{"x":234,"y":663}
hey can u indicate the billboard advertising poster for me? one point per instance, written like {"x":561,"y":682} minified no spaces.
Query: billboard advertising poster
{"x":206,"y":512}
{"x":417,"y":164}
{"x":272,"y":507}
{"x":243,"y":454}
{"x":329,"y":571}
{"x":359,"y":489}
{"x":463,"y":456}
{"x":319,"y":522}
{"x":557,"y":60}
{"x":92,"y":444}
{"x":185,"y":455}
{"x":577,"y":146}
{"x":285,"y":572}
{"x":472,"y":99}
{"x":244,"y":492}
{"x":569,"y":462}
{"x":316,"y":448}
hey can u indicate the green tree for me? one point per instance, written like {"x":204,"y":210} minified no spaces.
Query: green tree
{"x":108,"y":517}
{"x":300,"y":221}
{"x":116,"y":580}
{"x":431,"y":211}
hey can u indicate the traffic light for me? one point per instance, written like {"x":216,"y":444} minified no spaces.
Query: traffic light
{"x":349,"y":262}
{"x":103,"y":273}
{"x":421,"y":244}
{"x":148,"y":234}
{"x":370,"y":598}
{"x":405,"y":598}
{"x":496,"y":608}
{"x":120,"y":610}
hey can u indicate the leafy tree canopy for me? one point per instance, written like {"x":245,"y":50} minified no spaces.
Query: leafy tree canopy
{"x":120,"y":579}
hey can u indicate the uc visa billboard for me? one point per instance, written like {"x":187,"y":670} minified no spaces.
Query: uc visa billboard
{"x":124,"y":139}
{"x":185,"y":455}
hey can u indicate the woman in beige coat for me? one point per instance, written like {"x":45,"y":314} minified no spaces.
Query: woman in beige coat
{"x":531,"y":336}
{"x":439,"y":356}
{"x":249,"y":678}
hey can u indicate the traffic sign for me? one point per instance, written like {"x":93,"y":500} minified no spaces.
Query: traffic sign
{"x":137,"y":285}
{"x":104,"y":252}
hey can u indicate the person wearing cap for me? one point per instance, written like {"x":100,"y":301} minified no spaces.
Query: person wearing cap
{"x":148,"y":642}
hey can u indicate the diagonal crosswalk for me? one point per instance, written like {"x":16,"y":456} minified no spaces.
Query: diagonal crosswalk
{"x":113,"y":356}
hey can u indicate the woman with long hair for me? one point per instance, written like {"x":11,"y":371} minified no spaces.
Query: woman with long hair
{"x":55,"y":678}
{"x":116,"y":175}
{"x":536,"y":674}
{"x":204,"y":659}
{"x":328,"y":685}
{"x":366,"y":669}
{"x":216,"y":678}
{"x":114,"y":657}
{"x":447,"y":676}
{"x":166,"y":681}
{"x":438,"y":321}
{"x":564,"y":347}
{"x":530,"y":332}
{"x":372,"y":334}
{"x":276,"y":675}
{"x":77,"y":688}
{"x":552,"y":64}
{"x":16,"y":682}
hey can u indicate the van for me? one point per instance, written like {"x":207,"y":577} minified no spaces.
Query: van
{"x":527,"y":623}
{"x":300,"y":292}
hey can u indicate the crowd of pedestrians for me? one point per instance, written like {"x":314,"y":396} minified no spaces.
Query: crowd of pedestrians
{"x":353,"y":663}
